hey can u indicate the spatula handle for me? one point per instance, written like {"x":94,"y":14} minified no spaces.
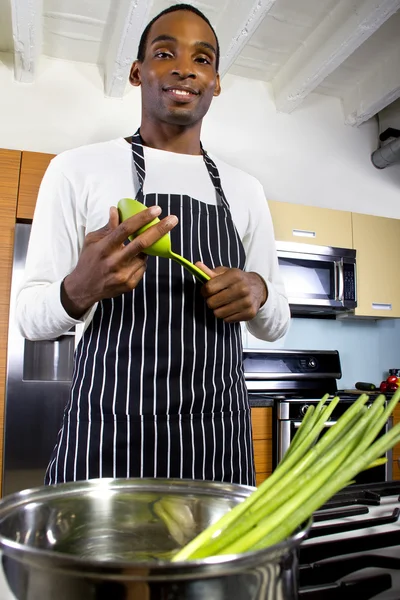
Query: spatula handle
{"x":198,"y":273}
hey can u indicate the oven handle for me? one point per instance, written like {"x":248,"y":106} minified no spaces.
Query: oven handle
{"x":327,"y":424}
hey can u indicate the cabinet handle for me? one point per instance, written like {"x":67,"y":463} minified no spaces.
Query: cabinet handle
{"x":304,"y":233}
{"x":384,"y":306}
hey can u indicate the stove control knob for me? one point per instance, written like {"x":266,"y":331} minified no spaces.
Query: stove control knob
{"x":304,"y":409}
{"x":312,"y":363}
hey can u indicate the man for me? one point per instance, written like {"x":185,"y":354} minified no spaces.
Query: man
{"x":158,"y":387}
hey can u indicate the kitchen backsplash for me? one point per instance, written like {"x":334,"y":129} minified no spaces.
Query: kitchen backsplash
{"x":367,"y":348}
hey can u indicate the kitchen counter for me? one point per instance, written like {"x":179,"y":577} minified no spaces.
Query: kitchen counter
{"x":260,"y":402}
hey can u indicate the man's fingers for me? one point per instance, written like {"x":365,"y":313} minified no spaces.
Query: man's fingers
{"x":132,"y":225}
{"x":222,"y":311}
{"x":107,"y":229}
{"x":221,"y":280}
{"x":236,"y":318}
{"x":113,"y":220}
{"x":137,"y":274}
{"x":206,"y":269}
{"x":151,"y":235}
{"x":211,"y":272}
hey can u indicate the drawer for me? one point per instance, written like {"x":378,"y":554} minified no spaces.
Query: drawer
{"x":263,"y":456}
{"x":260,"y":477}
{"x":396,"y":451}
{"x":261,"y":419}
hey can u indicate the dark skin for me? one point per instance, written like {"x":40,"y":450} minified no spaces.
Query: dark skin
{"x":178,"y":81}
{"x":106,"y":267}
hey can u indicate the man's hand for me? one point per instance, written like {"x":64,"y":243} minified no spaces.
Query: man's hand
{"x":232,"y":294}
{"x":106,"y":267}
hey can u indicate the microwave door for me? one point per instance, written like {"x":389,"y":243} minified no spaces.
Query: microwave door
{"x":313,"y":281}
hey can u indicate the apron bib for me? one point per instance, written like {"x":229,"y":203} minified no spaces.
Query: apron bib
{"x":158,"y":388}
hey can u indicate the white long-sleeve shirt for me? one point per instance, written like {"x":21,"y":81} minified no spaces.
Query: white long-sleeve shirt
{"x":74,"y":199}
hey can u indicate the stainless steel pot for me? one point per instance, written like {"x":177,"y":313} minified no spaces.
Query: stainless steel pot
{"x":111,"y":539}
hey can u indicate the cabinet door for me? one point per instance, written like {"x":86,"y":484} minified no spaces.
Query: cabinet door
{"x":9,"y":176}
{"x":376,"y":240}
{"x":33,"y":167}
{"x":311,"y":225}
{"x":262,"y":441}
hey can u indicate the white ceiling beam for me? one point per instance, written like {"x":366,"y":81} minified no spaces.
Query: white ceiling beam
{"x":379,"y":88}
{"x":129,"y":23}
{"x":238,"y":27}
{"x":27,"y":35}
{"x":340,"y":33}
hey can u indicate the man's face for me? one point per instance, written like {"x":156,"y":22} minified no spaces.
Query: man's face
{"x":178,"y":75}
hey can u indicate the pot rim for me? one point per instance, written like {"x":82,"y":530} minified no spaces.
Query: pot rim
{"x":141,"y":569}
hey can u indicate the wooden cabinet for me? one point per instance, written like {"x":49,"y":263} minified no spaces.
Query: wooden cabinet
{"x":9,"y":178}
{"x":33,"y":167}
{"x":262,"y":441}
{"x":311,"y":225}
{"x":376,"y":240}
{"x":20,"y":177}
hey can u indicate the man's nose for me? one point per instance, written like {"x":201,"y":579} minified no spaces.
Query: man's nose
{"x":183,"y":67}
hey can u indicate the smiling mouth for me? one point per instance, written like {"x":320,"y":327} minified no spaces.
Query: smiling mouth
{"x":180,"y":94}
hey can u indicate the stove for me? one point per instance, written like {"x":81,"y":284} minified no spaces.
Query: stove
{"x":292,"y":380}
{"x":353,"y":549}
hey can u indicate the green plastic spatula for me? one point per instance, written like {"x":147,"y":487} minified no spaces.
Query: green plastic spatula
{"x":127,"y":208}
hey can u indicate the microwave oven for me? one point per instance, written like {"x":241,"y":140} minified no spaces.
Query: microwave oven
{"x":319,"y":280}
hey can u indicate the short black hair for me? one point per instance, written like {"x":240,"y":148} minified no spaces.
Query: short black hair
{"x":175,"y":8}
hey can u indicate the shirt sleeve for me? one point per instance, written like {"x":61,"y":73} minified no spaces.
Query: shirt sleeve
{"x":54,"y":246}
{"x":272,"y":321}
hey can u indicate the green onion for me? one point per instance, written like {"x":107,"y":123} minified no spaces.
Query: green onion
{"x":218,"y":528}
{"x":377,"y":463}
{"x":318,"y":475}
{"x":260,"y":495}
{"x":300,"y":478}
{"x":305,"y":426}
{"x":308,"y":422}
{"x":294,"y":518}
{"x":313,"y":469}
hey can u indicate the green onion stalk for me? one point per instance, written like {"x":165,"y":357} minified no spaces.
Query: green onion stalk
{"x":313,"y":469}
{"x":309,"y":474}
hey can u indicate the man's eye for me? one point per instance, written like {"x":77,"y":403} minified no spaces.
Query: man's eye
{"x":162,"y":54}
{"x":204,"y":60}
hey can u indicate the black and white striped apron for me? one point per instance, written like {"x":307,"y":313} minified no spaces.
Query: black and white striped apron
{"x":158,"y":387}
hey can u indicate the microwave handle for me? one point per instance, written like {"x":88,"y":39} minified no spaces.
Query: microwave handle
{"x":339,"y":280}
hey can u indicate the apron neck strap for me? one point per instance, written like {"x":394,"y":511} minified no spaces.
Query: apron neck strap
{"x":139,"y":169}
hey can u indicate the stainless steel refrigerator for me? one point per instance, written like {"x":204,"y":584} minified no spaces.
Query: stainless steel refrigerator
{"x":38,"y":382}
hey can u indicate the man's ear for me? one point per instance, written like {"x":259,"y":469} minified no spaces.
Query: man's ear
{"x":134,"y":75}
{"x":217,"y":90}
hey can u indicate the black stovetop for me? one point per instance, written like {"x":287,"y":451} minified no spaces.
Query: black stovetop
{"x":353,"y":549}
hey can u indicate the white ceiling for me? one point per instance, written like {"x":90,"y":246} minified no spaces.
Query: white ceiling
{"x":345,"y":48}
{"x":284,"y":29}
